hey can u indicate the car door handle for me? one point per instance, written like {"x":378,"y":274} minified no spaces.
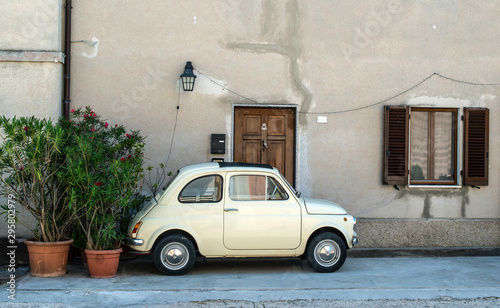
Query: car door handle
{"x":230,"y":210}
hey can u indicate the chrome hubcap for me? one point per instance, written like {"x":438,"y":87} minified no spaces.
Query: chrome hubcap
{"x":174,"y":256}
{"x":327,"y":253}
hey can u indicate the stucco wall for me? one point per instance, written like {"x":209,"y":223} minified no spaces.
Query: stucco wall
{"x":344,"y":59}
{"x":31,"y":58}
{"x":30,"y":68}
{"x":30,"y":89}
{"x":30,"y":25}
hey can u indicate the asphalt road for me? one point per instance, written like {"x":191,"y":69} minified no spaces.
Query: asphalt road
{"x":361,"y":282}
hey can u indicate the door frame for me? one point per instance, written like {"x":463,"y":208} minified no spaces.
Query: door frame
{"x":296,"y":137}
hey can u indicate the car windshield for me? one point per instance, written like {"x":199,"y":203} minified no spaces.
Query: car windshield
{"x":297,"y":193}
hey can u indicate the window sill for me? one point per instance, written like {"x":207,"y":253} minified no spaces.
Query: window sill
{"x":435,"y":186}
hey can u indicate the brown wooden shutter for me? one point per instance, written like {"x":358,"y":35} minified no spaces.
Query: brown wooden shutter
{"x":476,"y":154}
{"x":396,"y":123}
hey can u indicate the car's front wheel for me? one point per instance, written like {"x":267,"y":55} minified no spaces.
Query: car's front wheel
{"x":326,"y":252}
{"x":174,"y":255}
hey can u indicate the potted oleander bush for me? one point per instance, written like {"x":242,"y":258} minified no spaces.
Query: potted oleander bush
{"x":31,"y":158}
{"x":103,"y":173}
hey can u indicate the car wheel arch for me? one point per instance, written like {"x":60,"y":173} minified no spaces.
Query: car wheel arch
{"x":326,"y":229}
{"x":178,"y":232}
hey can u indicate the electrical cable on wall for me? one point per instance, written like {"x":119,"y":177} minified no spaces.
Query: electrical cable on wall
{"x":362,"y":107}
{"x":175,"y":126}
{"x":226,"y":88}
{"x":374,"y":104}
{"x":467,"y":82}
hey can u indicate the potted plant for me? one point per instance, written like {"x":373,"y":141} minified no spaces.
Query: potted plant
{"x":31,"y":157}
{"x":103,"y":172}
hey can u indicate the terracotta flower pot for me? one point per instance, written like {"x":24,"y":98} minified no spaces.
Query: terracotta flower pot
{"x":103,"y":263}
{"x":48,"y":259}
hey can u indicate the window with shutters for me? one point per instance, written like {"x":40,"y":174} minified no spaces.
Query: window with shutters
{"x":421,"y":146}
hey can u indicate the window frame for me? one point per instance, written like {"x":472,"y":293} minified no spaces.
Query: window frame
{"x":221,"y":187}
{"x":278,"y":184}
{"x":431,"y":155}
{"x":266,"y":180}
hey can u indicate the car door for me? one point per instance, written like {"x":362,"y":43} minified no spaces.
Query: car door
{"x":259,"y":213}
{"x":198,"y":209}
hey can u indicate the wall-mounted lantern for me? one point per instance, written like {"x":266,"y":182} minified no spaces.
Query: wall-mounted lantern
{"x":188,"y":77}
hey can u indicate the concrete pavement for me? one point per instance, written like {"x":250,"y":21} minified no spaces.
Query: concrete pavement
{"x":138,"y":282}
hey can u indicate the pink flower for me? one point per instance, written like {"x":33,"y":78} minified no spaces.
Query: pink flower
{"x":85,"y":115}
{"x":98,"y":184}
{"x":128,"y":136}
{"x":116,"y":125}
{"x":21,"y":168}
{"x":72,"y":110}
{"x":122,"y":159}
{"x":93,"y":129}
{"x":128,"y":157}
{"x":26,"y":128}
{"x":106,"y":124}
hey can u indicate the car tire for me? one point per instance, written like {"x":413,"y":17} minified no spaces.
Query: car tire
{"x":174,"y":255}
{"x":326,"y":252}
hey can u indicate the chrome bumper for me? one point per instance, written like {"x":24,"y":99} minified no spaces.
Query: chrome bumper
{"x":354,"y":239}
{"x":354,"y":234}
{"x":133,"y":241}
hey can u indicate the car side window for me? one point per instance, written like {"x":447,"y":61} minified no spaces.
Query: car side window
{"x":203,"y":189}
{"x":255,"y":187}
{"x":275,"y":191}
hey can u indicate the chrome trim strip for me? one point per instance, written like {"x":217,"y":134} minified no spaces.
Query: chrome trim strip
{"x":133,"y":241}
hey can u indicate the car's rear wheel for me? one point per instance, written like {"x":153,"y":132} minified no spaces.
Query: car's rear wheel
{"x":174,"y":255}
{"x":326,"y":252}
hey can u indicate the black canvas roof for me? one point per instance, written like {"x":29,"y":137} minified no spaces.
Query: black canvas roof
{"x":236,"y":164}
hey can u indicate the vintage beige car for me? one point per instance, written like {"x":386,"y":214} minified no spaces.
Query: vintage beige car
{"x":221,"y":210}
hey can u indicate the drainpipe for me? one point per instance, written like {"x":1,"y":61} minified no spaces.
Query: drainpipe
{"x":67,"y":61}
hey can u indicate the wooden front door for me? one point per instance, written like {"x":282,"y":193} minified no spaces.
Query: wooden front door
{"x":266,"y":136}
